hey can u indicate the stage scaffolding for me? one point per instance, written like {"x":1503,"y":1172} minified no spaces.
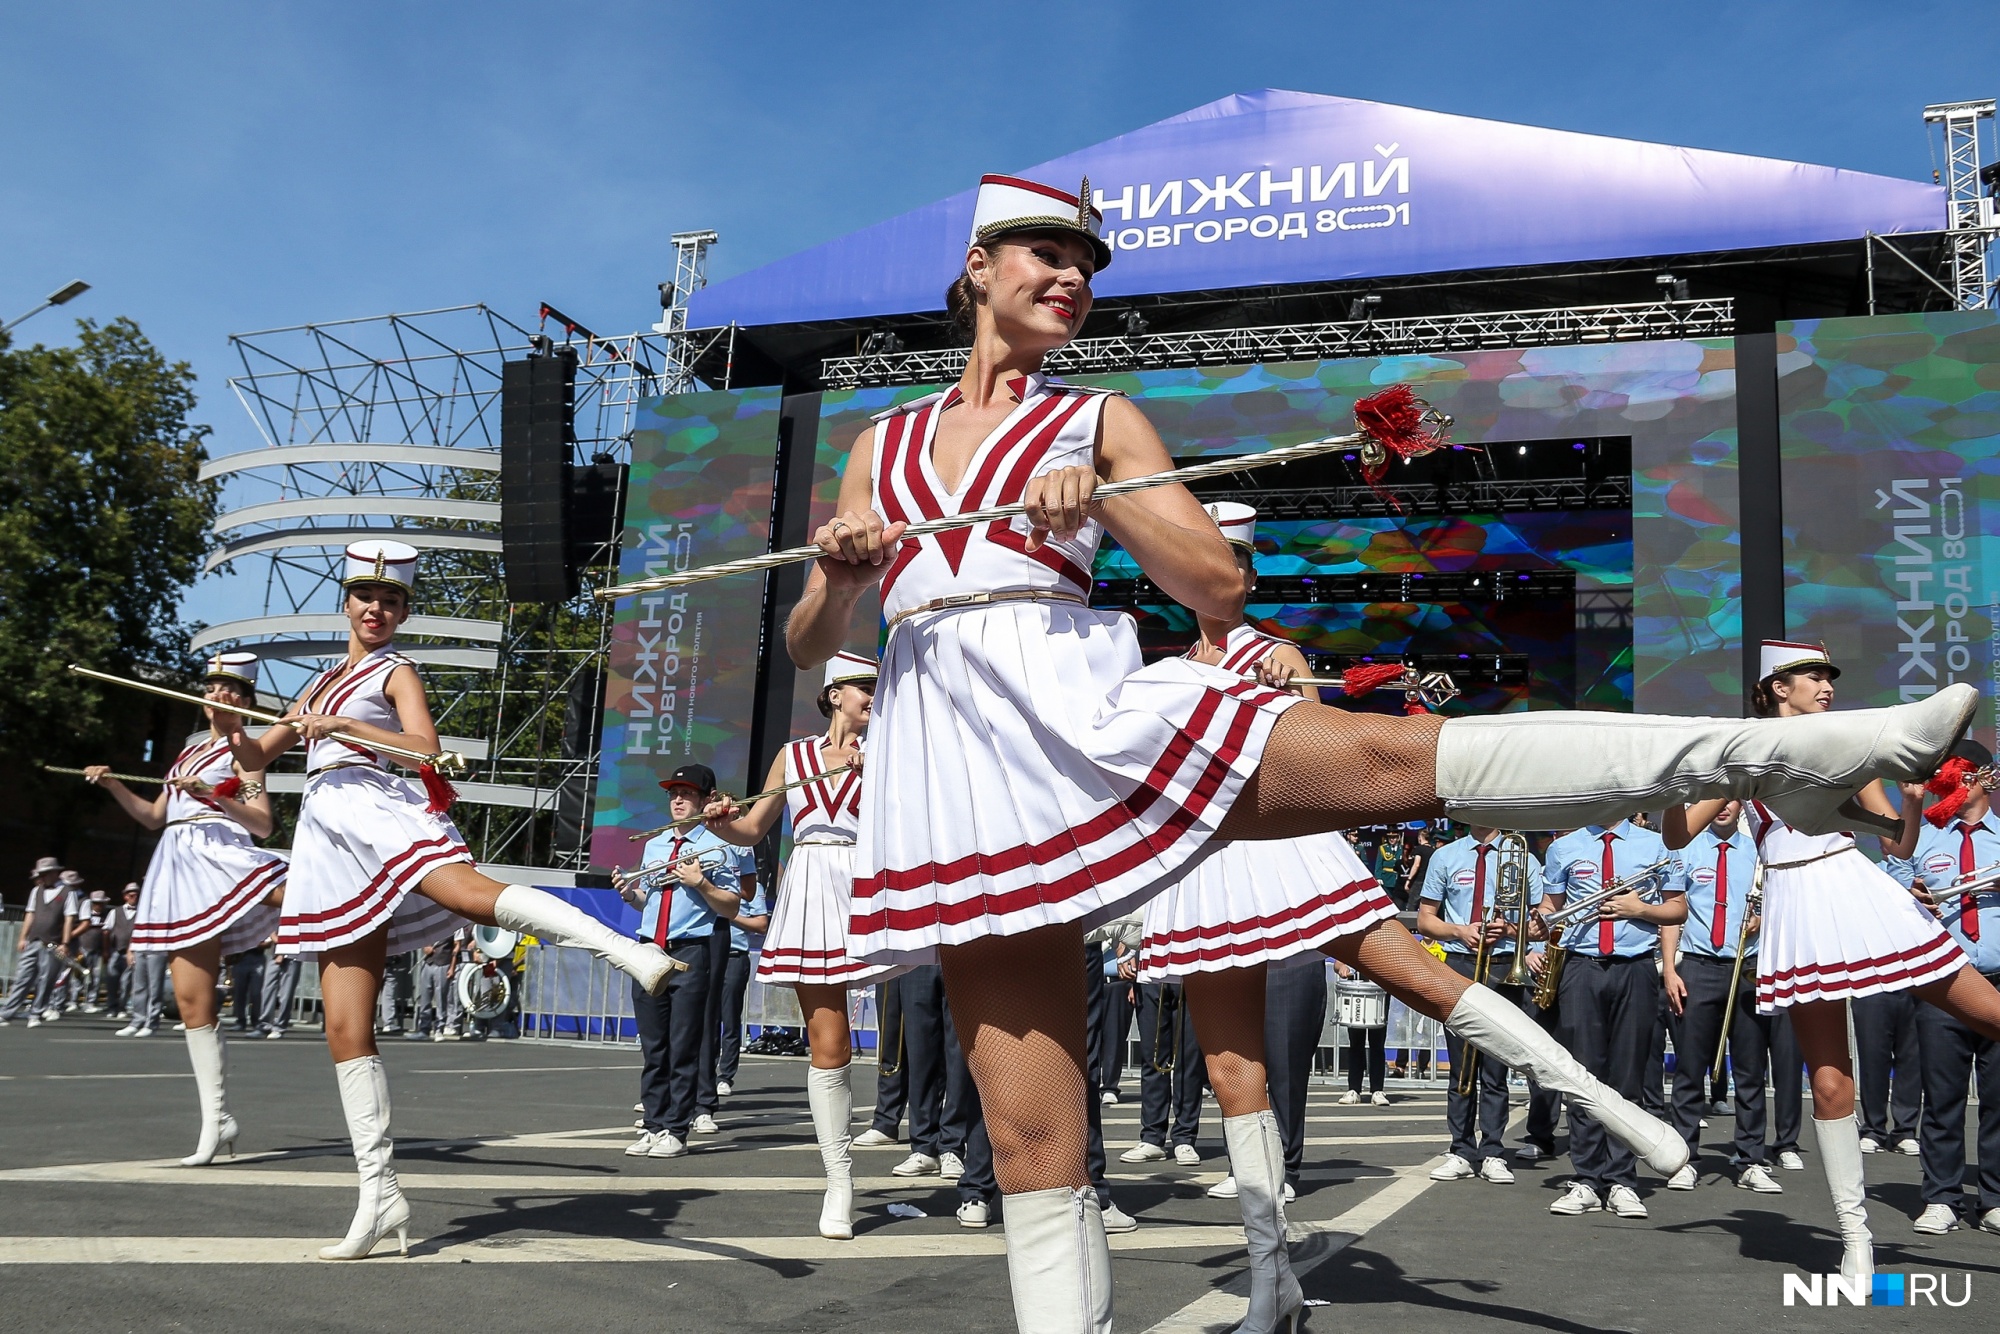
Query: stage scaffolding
{"x":390,"y":426}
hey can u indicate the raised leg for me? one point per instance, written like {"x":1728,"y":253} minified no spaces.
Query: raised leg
{"x":1969,"y":998}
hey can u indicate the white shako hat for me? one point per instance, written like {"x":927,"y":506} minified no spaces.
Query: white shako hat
{"x":848,"y":667}
{"x":1779,"y":656}
{"x":1237,"y":521}
{"x":240,"y":667}
{"x":377,"y":561}
{"x":1010,"y":204}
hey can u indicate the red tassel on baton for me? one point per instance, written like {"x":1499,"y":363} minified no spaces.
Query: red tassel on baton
{"x":441,"y":793}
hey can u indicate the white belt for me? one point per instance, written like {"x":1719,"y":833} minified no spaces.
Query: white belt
{"x":1791,"y":866}
{"x":344,"y":764}
{"x":958,"y":600}
{"x":199,"y":819}
{"x":822,"y":842}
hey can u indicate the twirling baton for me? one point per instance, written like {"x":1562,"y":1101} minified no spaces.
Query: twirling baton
{"x":750,"y":800}
{"x":1433,"y":688}
{"x":1394,"y":421}
{"x":79,"y":773}
{"x":446,"y":761}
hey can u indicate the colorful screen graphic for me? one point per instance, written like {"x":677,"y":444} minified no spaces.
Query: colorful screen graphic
{"x":683,"y":665}
{"x":1890,"y":433}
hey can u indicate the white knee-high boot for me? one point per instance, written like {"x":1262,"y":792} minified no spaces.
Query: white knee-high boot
{"x":364,"y":1096}
{"x":1563,"y":770}
{"x":1840,"y":1155}
{"x":539,"y":913}
{"x":832,"y":1101}
{"x":1499,"y":1029}
{"x":1257,"y":1158}
{"x":1058,"y":1261}
{"x":209,"y":1055}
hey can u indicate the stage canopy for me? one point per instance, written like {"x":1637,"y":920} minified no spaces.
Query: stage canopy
{"x":1273,"y":188}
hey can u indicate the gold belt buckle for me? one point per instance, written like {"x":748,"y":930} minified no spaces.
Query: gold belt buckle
{"x":959,"y":600}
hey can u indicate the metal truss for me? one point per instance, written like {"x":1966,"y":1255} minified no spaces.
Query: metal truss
{"x":1969,"y":213}
{"x":1308,"y":342}
{"x":1456,"y":497}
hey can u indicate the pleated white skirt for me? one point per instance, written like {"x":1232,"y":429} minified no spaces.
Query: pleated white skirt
{"x":1840,"y":927}
{"x":1024,"y":770}
{"x":208,"y":878}
{"x":807,"y":942}
{"x":364,"y":841}
{"x":1274,"y":902}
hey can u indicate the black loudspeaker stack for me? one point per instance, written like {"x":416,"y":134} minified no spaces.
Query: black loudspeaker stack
{"x":537,"y":429}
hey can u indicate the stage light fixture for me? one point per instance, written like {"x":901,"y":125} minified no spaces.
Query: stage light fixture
{"x":1672,"y":288}
{"x":1134,"y":323}
{"x":1363,"y":307}
{"x":1989,"y":176}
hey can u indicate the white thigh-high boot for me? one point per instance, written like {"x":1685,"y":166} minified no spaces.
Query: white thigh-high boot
{"x":1257,"y":1157}
{"x":1058,"y":1261}
{"x":1840,"y":1154}
{"x":832,"y":1102}
{"x":364,"y":1096}
{"x":539,"y":913}
{"x":1564,"y":770}
{"x":209,"y":1055}
{"x":1498,"y":1028}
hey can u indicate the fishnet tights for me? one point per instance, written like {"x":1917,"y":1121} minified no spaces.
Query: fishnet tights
{"x":1018,"y":1005}
{"x":1228,"y":1012}
{"x":1325,"y":768}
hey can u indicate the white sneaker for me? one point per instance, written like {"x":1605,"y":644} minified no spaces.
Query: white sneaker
{"x":180,"y":1028}
{"x":1868,"y":1144}
{"x":1576,"y":1198}
{"x":1143,"y":1152}
{"x":641,"y":1146}
{"x":1791,"y":1161}
{"x":1936,"y":1220}
{"x":638,"y":1106}
{"x":723,"y":1088}
{"x":34,"y":1021}
{"x":274,"y":1033}
{"x":1107,"y":1098}
{"x":1187,"y":1155}
{"x":1351,"y":1098}
{"x":437,"y":1035}
{"x":1379,"y":1098}
{"x":1758,"y":1177}
{"x":975,"y":1213}
{"x":639,"y":1124}
{"x":872,"y":1138}
{"x":1495,"y":1170}
{"x":1704,"y":1123}
{"x":1453,"y":1168}
{"x":665,"y":1145}
{"x":1908,"y":1147}
{"x":1224,"y":1189}
{"x":50,"y":1016}
{"x":1990,"y":1221}
{"x":705,"y":1125}
{"x":1685,"y":1179}
{"x":1529,"y":1153}
{"x":1625,"y":1202}
{"x":1117,"y":1220}
{"x":143,"y":1033}
{"x":916,"y":1165}
{"x":126,"y":1031}
{"x":950,"y":1166}
{"x":1291,"y":1194}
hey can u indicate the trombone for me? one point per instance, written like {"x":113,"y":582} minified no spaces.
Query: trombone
{"x":1753,"y":908}
{"x":1510,"y":897}
{"x":1647,"y":882}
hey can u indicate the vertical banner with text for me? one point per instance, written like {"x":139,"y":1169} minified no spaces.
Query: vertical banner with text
{"x":682,"y":679}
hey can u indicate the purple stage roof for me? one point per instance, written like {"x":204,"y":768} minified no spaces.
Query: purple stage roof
{"x":1275,"y":187}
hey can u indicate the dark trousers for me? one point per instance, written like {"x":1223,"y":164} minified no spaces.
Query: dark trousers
{"x":1607,"y":1006}
{"x":892,"y":1079}
{"x":1697,"y":1034}
{"x":1113,"y":1028}
{"x":1171,"y":1074}
{"x":705,"y":1099}
{"x":1489,"y":1098}
{"x":1367,"y":1049}
{"x":1653,"y":1082}
{"x":1888,"y":1074}
{"x":1788,"y":1084}
{"x":1294,"y":1016}
{"x":116,"y":970}
{"x":670,"y":1028}
{"x":926,"y":1042}
{"x":247,"y":970}
{"x":1952,"y":1056}
{"x":735,"y":984}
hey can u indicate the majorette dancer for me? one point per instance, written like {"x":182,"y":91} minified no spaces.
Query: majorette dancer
{"x":210,"y":890}
{"x":1836,"y":926}
{"x":806,"y":947}
{"x":378,"y":868}
{"x":1030,"y":780}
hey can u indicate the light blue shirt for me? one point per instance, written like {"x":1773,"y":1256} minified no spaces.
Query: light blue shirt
{"x":1574,"y":869}
{"x":757,"y":905}
{"x":1452,"y":877}
{"x":1698,"y":862}
{"x":1936,"y":862}
{"x":689,"y":914}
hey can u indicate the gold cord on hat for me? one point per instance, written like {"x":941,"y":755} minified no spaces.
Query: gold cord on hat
{"x":1083,"y":204}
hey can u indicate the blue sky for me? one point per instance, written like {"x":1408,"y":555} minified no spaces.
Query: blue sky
{"x":213,"y":168}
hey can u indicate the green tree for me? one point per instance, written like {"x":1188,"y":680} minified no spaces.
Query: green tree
{"x":103,"y":522}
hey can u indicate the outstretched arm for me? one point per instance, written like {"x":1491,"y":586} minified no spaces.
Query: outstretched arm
{"x":859,"y":546}
{"x":746,"y":826}
{"x":146,"y":814}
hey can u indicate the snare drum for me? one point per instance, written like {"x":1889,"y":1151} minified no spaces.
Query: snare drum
{"x":1361,"y":1004}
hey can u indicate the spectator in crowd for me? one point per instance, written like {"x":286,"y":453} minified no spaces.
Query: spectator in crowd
{"x":281,"y":988}
{"x":892,"y":1078}
{"x":1116,"y":1029}
{"x":36,"y":966}
{"x":434,"y":989}
{"x":118,"y":955}
{"x":721,"y":943}
{"x":753,"y":920}
{"x":246,"y":971}
{"x":398,"y":991}
{"x":86,"y":946}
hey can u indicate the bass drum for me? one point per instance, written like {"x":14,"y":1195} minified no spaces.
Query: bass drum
{"x":495,"y":942}
{"x":485,"y":990}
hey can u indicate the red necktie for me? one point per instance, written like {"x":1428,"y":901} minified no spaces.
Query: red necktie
{"x":667,"y":901}
{"x":1715,"y":933}
{"x":1968,"y":904}
{"x":1606,"y":928}
{"x":1479,"y":885}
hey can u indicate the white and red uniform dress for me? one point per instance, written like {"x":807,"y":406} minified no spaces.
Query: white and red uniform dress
{"x":1268,"y":901}
{"x":1023,"y":769}
{"x":364,"y":838}
{"x":208,"y":877}
{"x":1835,"y":925}
{"x":807,"y":942}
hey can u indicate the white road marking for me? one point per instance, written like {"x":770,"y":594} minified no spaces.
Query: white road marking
{"x":516,"y":1069}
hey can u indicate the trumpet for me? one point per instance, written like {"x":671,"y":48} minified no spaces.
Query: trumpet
{"x":1986,"y":880}
{"x":1646,"y":882}
{"x":1510,"y":897}
{"x":1753,"y":905}
{"x":654,"y":874}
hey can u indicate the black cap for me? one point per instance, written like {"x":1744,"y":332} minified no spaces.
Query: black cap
{"x":697,"y":776}
{"x":1973,"y":753}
